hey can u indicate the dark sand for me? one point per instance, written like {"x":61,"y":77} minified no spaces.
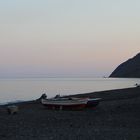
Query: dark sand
{"x":117,"y":117}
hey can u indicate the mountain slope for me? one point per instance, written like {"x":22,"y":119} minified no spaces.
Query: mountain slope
{"x":128,"y":69}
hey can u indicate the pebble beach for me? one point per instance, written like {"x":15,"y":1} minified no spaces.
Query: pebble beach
{"x":117,"y":117}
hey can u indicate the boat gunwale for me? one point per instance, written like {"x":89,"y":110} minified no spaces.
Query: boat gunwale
{"x":63,"y":102}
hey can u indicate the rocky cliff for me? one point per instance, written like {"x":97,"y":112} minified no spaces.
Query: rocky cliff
{"x":128,"y":69}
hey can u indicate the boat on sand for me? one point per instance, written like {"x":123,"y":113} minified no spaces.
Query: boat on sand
{"x":72,"y":103}
{"x":65,"y":103}
{"x":91,"y":102}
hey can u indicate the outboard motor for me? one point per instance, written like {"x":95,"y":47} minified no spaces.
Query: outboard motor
{"x":43,"y":96}
{"x":57,"y":96}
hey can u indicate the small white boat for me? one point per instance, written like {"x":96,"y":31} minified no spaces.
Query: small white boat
{"x":65,"y":103}
{"x":91,"y":102}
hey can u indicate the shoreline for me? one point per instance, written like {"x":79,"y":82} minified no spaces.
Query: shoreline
{"x":115,"y":94}
{"x":95,"y":94}
{"x":116,"y":117}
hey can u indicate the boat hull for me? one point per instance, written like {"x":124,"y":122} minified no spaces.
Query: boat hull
{"x":64,"y":104}
{"x":65,"y":107}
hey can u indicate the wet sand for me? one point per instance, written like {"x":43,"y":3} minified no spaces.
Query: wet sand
{"x":117,"y":117}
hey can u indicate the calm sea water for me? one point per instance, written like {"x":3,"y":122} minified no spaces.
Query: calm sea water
{"x":32,"y":88}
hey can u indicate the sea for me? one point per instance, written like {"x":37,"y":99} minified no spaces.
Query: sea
{"x":25,"y":89}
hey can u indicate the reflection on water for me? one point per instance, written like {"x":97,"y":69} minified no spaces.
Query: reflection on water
{"x":32,"y":88}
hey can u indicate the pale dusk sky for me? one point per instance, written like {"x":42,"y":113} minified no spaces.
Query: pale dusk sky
{"x":67,"y":37}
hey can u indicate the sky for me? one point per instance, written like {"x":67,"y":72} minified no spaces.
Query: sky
{"x":67,"y":37}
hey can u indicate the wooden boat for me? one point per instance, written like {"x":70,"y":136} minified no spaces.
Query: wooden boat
{"x":93,"y":102}
{"x":65,"y":103}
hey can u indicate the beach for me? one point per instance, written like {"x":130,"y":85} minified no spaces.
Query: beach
{"x":117,"y":117}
